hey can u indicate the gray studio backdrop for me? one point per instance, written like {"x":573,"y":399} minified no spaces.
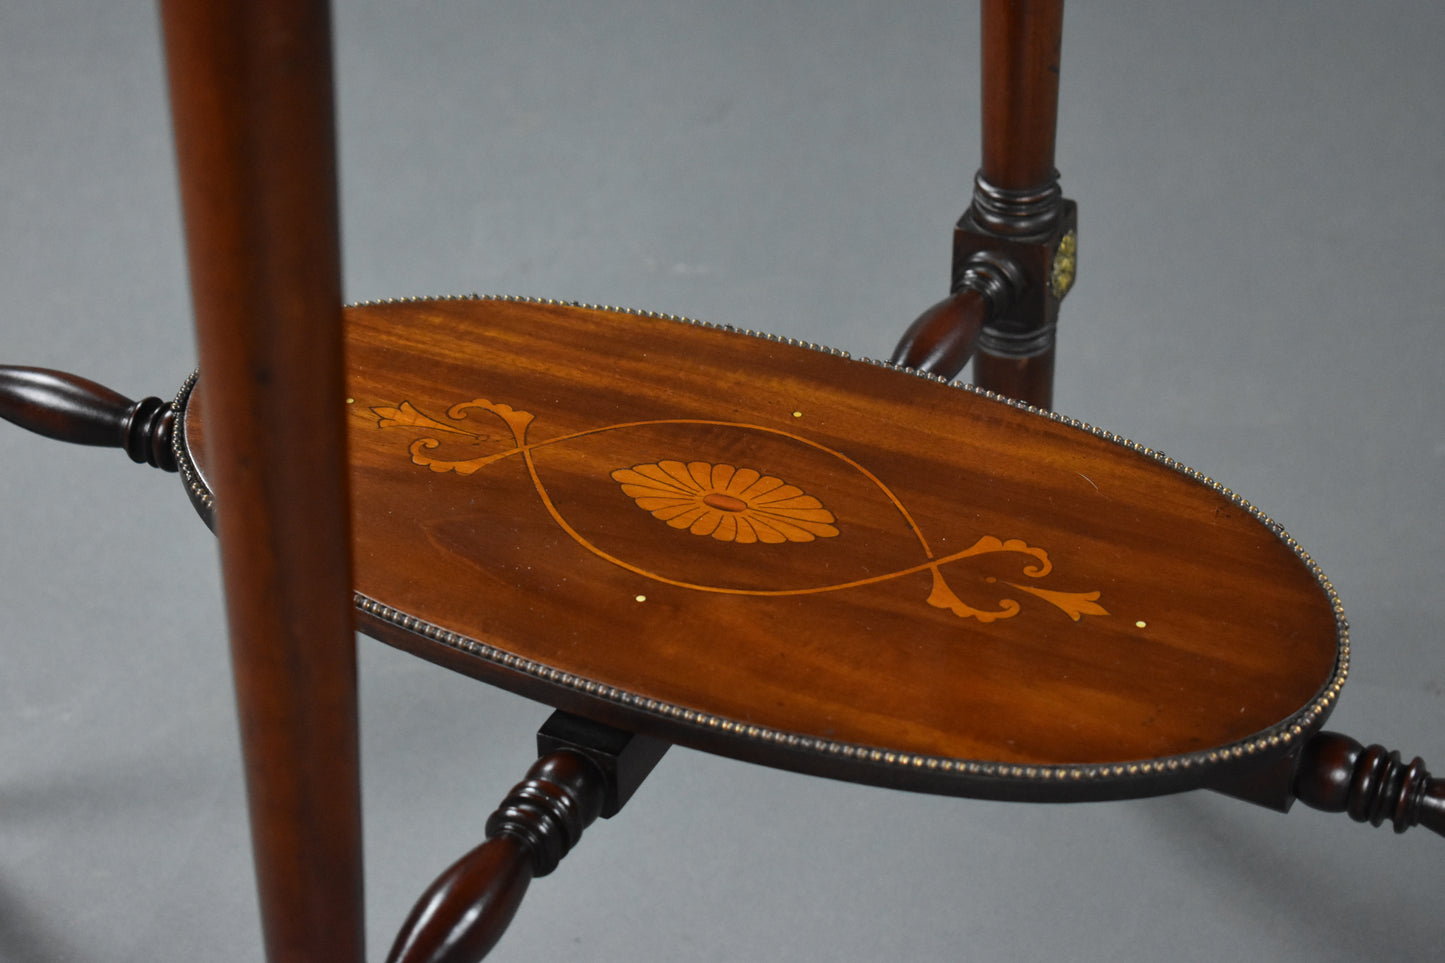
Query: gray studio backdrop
{"x":1262,"y":269}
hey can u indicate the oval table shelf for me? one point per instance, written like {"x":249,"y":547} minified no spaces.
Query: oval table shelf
{"x":771,"y":551}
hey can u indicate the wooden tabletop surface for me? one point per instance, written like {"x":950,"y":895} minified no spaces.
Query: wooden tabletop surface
{"x":772,"y":551}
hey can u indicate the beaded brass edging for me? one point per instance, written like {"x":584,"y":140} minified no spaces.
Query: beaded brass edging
{"x":196,"y":490}
{"x":1300,"y":724}
{"x":521,"y":299}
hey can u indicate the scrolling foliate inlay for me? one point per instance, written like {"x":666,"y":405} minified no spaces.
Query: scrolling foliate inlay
{"x":742,"y":506}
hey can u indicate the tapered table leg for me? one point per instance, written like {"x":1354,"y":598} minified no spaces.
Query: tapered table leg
{"x":251,"y":98}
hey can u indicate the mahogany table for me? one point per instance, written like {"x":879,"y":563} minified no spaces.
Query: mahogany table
{"x":686,"y":534}
{"x":769,"y":551}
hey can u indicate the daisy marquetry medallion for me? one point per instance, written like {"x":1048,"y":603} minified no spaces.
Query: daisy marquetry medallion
{"x":726,"y":503}
{"x":742,"y":506}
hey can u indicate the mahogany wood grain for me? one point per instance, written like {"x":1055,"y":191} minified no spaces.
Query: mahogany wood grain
{"x":1019,"y":216}
{"x":1020,"y":61}
{"x":464,"y":913}
{"x":1029,"y":379}
{"x":70,"y":408}
{"x":251,"y":98}
{"x":1339,"y":775}
{"x":1004,"y":603}
{"x":940,"y":341}
{"x":586,"y":770}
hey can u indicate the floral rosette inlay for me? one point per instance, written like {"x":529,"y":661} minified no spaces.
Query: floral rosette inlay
{"x":729,"y":504}
{"x":740,"y":506}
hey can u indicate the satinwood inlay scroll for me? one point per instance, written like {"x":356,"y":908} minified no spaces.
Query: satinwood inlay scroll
{"x":742,"y":506}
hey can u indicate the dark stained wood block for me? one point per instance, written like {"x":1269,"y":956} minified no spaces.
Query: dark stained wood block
{"x":772,"y":551}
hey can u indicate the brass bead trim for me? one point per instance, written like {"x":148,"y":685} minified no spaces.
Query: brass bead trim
{"x":515,"y":299}
{"x":199,"y":494}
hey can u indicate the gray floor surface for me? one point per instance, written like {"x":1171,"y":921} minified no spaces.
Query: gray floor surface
{"x":1262,"y":269}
